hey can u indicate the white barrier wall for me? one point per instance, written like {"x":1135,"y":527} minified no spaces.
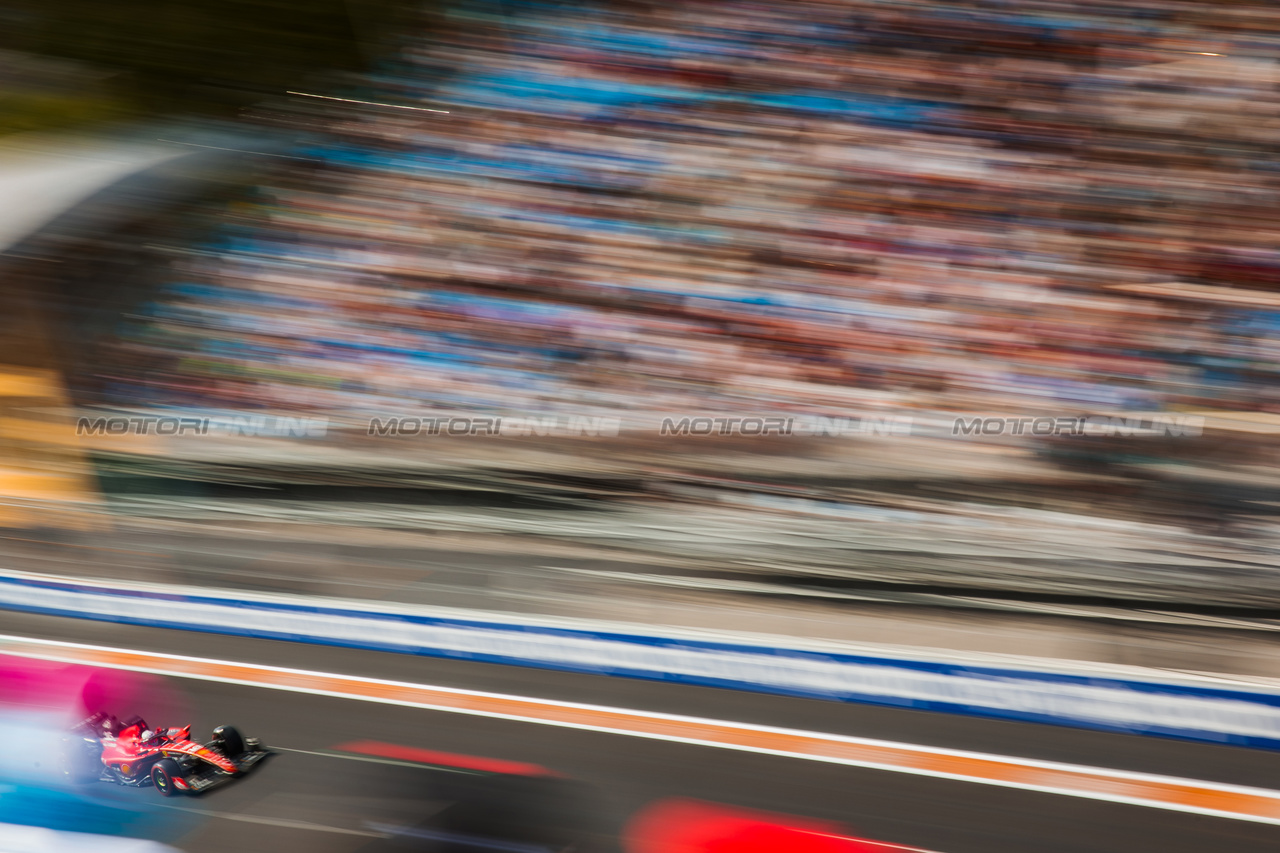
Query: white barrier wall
{"x":1166,"y":707}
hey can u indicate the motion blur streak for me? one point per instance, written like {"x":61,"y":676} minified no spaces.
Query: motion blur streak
{"x":685,"y":826}
{"x":1163,"y":792}
{"x":368,"y":103}
{"x":448,"y":759}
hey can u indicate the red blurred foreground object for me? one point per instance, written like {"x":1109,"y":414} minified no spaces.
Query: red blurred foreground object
{"x":72,"y":692}
{"x":33,"y":684}
{"x":689,"y":826}
{"x":444,"y":759}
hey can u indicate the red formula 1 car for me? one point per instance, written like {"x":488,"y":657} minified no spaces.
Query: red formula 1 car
{"x":131,"y":753}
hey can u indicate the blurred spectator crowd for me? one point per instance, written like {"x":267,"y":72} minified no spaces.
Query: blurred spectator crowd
{"x":744,"y":205}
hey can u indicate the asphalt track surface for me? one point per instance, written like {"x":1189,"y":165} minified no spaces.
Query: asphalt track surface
{"x":312,"y":797}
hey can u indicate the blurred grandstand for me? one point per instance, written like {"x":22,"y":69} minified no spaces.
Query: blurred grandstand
{"x":735,"y":206}
{"x":813,"y":208}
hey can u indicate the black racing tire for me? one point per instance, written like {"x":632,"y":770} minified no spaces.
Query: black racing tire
{"x":230,"y":743}
{"x":162,"y":775}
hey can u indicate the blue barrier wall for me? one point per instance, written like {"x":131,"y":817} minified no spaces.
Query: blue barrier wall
{"x":1149,"y":707}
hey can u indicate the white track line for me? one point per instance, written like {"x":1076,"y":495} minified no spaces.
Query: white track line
{"x":347,"y":756}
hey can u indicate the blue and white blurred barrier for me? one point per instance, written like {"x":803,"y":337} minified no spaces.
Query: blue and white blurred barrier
{"x":1088,"y":696}
{"x":34,"y":839}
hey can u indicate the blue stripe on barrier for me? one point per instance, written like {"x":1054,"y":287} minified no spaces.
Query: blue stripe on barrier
{"x":1103,"y":703}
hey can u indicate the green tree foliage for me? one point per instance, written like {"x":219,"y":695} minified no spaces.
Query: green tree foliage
{"x":202,"y":55}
